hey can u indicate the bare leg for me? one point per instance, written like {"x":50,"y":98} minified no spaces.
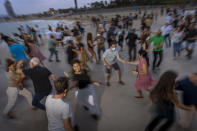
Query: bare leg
{"x":119,"y":77}
{"x":118,"y":74}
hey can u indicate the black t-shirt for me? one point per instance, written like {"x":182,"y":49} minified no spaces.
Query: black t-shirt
{"x":190,"y":34}
{"x":132,"y":39}
{"x":40,"y":77}
{"x":110,"y":40}
{"x":83,"y":79}
{"x":70,"y":53}
{"x":165,"y":108}
{"x":189,"y":91}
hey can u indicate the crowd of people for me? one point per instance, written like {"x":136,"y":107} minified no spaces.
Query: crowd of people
{"x":178,"y":32}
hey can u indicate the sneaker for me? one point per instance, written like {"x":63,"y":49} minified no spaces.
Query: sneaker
{"x":76,"y":128}
{"x":57,"y":60}
{"x":34,"y":108}
{"x":9,"y":116}
{"x":157,"y":68}
{"x":95,"y":117}
{"x":108,"y":84}
{"x":50,"y":60}
{"x":175,"y":58}
{"x":121,"y":83}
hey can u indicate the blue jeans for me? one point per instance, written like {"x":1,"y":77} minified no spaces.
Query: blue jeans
{"x":37,"y":98}
{"x":176,"y":48}
{"x":53,"y":51}
{"x":167,"y":40}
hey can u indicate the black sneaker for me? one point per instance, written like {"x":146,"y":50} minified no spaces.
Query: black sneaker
{"x":95,"y":117}
{"x":76,"y":128}
{"x":108,"y":84}
{"x":121,"y":83}
{"x":50,"y":60}
{"x":9,"y":116}
{"x":57,"y":60}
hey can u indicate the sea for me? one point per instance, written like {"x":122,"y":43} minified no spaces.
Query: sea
{"x":11,"y":27}
{"x":8,"y":28}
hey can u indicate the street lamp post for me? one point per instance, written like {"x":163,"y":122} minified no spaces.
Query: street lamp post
{"x":76,"y":6}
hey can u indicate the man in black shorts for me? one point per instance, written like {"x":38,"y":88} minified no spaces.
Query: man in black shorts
{"x":110,"y":58}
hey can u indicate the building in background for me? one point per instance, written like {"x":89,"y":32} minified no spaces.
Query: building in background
{"x":9,"y":9}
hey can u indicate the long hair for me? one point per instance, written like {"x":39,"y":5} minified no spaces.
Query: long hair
{"x":9,"y":62}
{"x":164,"y":89}
{"x":142,"y":53}
{"x":89,"y":36}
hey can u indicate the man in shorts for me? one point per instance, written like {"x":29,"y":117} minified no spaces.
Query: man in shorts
{"x":110,"y":58}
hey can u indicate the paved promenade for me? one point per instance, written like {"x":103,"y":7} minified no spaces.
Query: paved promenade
{"x":120,"y":110}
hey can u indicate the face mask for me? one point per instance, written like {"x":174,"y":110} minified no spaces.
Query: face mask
{"x":113,"y":49}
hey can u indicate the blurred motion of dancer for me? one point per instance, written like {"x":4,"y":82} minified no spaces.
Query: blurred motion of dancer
{"x":144,"y":79}
{"x":164,"y":100}
{"x":86,"y":93}
{"x":15,"y":87}
{"x":188,"y":87}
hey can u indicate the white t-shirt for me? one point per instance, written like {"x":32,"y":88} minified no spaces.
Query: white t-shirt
{"x":110,"y":56}
{"x":176,"y":37}
{"x":57,"y":110}
{"x":166,"y":29}
{"x":38,"y":30}
{"x":67,"y":38}
{"x":169,"y":19}
{"x":58,"y":35}
{"x":50,"y":33}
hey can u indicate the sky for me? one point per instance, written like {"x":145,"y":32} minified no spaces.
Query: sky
{"x":36,"y":6}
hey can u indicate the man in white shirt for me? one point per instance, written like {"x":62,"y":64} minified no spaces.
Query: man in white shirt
{"x":39,"y":34}
{"x":169,"y":18}
{"x":166,"y":30}
{"x":58,"y":111}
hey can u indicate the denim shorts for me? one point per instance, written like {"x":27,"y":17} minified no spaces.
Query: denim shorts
{"x":115,"y":66}
{"x":190,"y":45}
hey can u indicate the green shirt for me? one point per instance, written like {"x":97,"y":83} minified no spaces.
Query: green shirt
{"x":50,"y":43}
{"x":157,"y":40}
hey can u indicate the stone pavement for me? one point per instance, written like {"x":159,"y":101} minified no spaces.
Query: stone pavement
{"x":120,"y":110}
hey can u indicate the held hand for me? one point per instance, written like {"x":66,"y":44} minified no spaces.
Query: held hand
{"x":135,"y":72}
{"x":126,"y":62}
{"x":97,"y":83}
{"x":20,"y":84}
{"x":19,"y":71}
{"x":148,"y":50}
